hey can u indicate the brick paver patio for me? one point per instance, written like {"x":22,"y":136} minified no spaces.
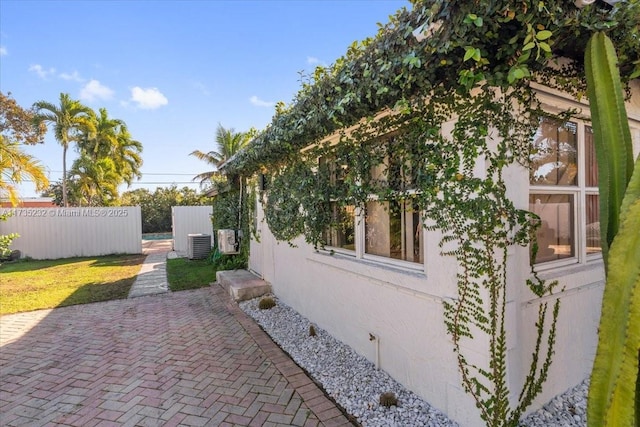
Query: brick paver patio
{"x":188,"y":358}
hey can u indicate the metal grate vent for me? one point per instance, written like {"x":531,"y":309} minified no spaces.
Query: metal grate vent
{"x":199,"y":246}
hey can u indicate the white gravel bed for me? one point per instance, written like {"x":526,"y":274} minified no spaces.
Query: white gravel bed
{"x":355,"y":383}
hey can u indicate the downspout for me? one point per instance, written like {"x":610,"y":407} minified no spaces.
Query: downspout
{"x":240,"y":233}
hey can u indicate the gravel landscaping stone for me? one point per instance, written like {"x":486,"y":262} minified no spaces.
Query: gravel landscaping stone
{"x":356,"y":385}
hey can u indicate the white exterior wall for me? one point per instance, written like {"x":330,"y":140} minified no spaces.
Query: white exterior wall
{"x":352,"y":298}
{"x":190,"y":220}
{"x":52,"y":233}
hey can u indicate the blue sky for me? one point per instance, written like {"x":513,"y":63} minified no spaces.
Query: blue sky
{"x":173,"y":70}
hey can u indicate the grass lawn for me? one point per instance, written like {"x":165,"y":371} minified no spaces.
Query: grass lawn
{"x":35,"y":285}
{"x":183,"y":273}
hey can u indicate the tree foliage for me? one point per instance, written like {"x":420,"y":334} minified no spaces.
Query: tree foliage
{"x":17,"y":166}
{"x":16,"y":123}
{"x":156,"y":206}
{"x":108,"y":154}
{"x":228,"y":142}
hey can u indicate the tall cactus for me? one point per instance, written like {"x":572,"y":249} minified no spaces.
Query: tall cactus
{"x":613,"y":393}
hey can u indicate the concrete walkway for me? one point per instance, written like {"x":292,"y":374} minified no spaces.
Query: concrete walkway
{"x":189,"y":358}
{"x":152,"y":277}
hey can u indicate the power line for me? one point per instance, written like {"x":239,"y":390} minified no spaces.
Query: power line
{"x":167,"y":182}
{"x":150,"y":173}
{"x":147,"y":182}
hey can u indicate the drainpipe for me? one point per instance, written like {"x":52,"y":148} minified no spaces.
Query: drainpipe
{"x":239,"y":232}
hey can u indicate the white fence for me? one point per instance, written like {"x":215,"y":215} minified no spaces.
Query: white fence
{"x":52,"y":233}
{"x":187,"y":220}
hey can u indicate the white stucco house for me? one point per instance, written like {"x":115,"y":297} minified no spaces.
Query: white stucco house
{"x":360,"y":287}
{"x":362,"y":284}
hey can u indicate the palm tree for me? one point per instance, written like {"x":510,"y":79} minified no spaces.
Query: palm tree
{"x":17,"y":166}
{"x":112,"y":139}
{"x":99,"y":142}
{"x":69,"y":119}
{"x":126,"y":155}
{"x":96,"y":180}
{"x":228,"y":143}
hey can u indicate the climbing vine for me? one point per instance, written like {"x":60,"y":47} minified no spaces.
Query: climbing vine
{"x":463,"y":66}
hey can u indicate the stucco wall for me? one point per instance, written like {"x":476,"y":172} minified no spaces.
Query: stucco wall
{"x":354,"y":298}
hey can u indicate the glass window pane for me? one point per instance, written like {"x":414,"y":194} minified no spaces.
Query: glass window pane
{"x":341,"y":234}
{"x":591,"y":166}
{"x":394,"y":230}
{"x":556,"y":239}
{"x":593,"y":224}
{"x":390,"y":164}
{"x":554,"y":154}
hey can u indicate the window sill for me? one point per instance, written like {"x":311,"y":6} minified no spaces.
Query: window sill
{"x":554,"y":272}
{"x":572,"y":279}
{"x":412,"y":281}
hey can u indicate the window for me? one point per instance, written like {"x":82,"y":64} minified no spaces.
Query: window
{"x":382,"y":230}
{"x":341,"y":234}
{"x":563,"y":192}
{"x":393,"y":230}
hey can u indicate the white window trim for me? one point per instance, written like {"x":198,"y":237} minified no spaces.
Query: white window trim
{"x":360,"y":244}
{"x":580,"y":191}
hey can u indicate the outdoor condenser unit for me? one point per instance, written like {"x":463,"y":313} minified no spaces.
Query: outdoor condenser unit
{"x":199,"y":246}
{"x":227,"y":242}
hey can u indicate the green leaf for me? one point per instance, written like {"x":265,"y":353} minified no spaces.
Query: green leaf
{"x":544,"y":46}
{"x":518,"y":73}
{"x":543,"y":35}
{"x":529,"y":46}
{"x":472,"y":17}
{"x":469,"y":53}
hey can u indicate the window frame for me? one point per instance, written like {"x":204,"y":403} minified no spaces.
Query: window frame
{"x":579,"y":191}
{"x":359,"y":222}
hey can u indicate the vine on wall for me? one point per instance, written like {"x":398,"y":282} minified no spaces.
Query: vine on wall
{"x":471,"y":71}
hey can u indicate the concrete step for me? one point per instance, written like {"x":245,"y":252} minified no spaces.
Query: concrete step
{"x":242,"y":285}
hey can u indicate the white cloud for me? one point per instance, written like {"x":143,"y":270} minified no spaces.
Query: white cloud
{"x":95,"y":90}
{"x":312,"y":60}
{"x":41,"y":72}
{"x":148,"y":99}
{"x":260,"y":103}
{"x":73,"y":76}
{"x":3,"y":51}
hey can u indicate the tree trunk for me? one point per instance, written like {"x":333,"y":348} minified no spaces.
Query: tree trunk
{"x":65,"y":203}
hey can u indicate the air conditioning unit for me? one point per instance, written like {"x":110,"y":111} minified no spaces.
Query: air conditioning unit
{"x":227,"y":242}
{"x":199,"y":246}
